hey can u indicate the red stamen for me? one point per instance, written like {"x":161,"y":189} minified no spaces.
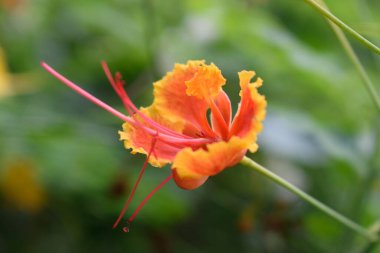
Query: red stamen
{"x":154,"y":140}
{"x":148,"y":197}
{"x":85,"y":94}
{"x":117,"y":84}
{"x":170,"y":138}
{"x":109,"y":76}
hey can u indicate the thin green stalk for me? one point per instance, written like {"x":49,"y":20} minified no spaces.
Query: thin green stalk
{"x":359,"y":198}
{"x":355,"y":60}
{"x":371,"y":246}
{"x":316,"y":203}
{"x":342,"y":25}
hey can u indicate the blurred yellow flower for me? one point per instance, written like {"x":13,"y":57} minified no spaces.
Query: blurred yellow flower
{"x":4,"y":76}
{"x":13,"y":84}
{"x":20,"y":187}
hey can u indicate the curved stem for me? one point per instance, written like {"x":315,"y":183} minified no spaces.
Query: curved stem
{"x":371,"y":246}
{"x":342,"y":25}
{"x":355,"y":60}
{"x":314,"y":202}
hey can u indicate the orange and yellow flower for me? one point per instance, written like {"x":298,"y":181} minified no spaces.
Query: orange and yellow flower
{"x":203,"y":146}
{"x":190,"y":123}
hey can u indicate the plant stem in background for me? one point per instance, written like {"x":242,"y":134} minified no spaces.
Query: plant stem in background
{"x":370,"y":247}
{"x":359,"y":199}
{"x":316,"y":203}
{"x":342,"y":25}
{"x":366,"y":184}
{"x":355,"y":60}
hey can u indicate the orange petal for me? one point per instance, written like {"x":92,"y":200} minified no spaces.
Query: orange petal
{"x":206,"y":83}
{"x":191,"y":168}
{"x":178,"y":96}
{"x":221,"y":124}
{"x":189,"y":183}
{"x":140,"y":141}
{"x":251,"y":112}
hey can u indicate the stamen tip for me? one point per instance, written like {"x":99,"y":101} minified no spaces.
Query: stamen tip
{"x":126,"y":228}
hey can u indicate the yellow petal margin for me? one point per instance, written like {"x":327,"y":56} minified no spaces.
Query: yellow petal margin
{"x":139,"y":141}
{"x":207,"y":82}
{"x":182,"y":95}
{"x":247,"y":123}
{"x":191,"y":168}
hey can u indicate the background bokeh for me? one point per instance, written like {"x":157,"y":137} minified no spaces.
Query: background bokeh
{"x":64,"y":175}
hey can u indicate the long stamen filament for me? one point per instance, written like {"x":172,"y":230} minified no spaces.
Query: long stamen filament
{"x":85,"y":94}
{"x":176,"y":140}
{"x":154,"y":140}
{"x":149,"y":196}
{"x":130,"y":106}
{"x":166,"y":137}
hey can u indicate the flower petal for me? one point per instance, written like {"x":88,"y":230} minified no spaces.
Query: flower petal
{"x":251,"y":111}
{"x":181,"y":95}
{"x":206,"y":83}
{"x":137,"y":139}
{"x":192,"y":167}
{"x":189,"y":182}
{"x":223,"y":105}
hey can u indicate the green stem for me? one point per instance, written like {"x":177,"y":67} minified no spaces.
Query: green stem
{"x":371,"y":246}
{"x":355,"y":60}
{"x":359,"y":199}
{"x":342,"y":25}
{"x":327,"y":210}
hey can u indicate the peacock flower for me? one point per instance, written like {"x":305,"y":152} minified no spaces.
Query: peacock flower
{"x":190,"y":123}
{"x":196,"y":146}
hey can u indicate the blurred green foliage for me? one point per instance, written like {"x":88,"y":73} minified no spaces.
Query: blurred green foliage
{"x":320,"y":132}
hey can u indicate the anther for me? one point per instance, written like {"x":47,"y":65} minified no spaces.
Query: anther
{"x":126,"y":227}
